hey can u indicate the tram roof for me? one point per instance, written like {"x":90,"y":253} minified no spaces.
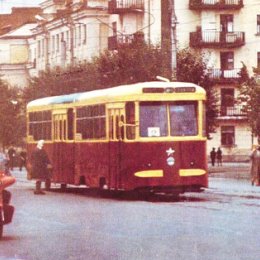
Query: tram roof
{"x":123,"y":90}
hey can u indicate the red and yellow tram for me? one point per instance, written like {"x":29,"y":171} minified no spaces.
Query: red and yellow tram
{"x":144,"y":136}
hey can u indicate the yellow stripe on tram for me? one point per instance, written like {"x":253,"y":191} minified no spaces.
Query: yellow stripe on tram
{"x":191,"y":172}
{"x":149,"y":174}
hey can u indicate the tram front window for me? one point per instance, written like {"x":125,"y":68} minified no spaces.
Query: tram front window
{"x":183,"y":118}
{"x":153,"y":119}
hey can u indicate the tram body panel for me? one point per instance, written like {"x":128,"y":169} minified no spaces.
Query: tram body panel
{"x":166,"y":164}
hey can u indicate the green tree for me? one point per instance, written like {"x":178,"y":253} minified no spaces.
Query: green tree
{"x":250,"y":98}
{"x":132,"y":63}
{"x":12,"y":127}
{"x":137,"y":62}
{"x":192,"y":67}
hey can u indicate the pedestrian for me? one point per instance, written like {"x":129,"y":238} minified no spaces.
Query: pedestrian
{"x":40,"y":164}
{"x":23,"y":156}
{"x":11,"y":157}
{"x":255,"y":167}
{"x":219,"y":157}
{"x":213,"y":156}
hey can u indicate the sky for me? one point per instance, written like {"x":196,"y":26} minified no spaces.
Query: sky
{"x":6,"y":5}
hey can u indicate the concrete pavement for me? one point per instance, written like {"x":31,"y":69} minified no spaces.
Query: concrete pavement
{"x":234,"y":170}
{"x":234,"y":179}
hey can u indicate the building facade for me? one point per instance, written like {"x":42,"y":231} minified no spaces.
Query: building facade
{"x":227,"y":33}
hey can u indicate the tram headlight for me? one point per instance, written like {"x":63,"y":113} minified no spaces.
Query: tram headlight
{"x":192,"y":163}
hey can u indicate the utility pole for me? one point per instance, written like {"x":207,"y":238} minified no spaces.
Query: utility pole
{"x":173,"y":40}
{"x":71,"y":26}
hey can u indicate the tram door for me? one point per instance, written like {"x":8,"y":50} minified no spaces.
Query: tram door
{"x":116,"y":136}
{"x":63,"y":152}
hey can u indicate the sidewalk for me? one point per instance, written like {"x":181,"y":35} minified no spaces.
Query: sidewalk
{"x":233,"y":179}
{"x":234,"y":170}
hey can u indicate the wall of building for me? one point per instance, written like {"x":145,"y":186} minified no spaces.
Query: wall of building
{"x":64,"y":43}
{"x":187,"y":21}
{"x":15,"y":74}
{"x":13,"y":60}
{"x":243,"y":142}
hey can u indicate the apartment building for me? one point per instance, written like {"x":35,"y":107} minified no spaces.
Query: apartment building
{"x":68,"y":33}
{"x":14,"y":32}
{"x":227,"y":33}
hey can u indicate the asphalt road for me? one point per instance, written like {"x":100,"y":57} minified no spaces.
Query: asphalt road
{"x":222,"y":223}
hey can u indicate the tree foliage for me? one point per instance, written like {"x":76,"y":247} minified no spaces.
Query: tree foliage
{"x":192,"y":67}
{"x":12,"y":127}
{"x":250,"y":99}
{"x":132,"y":63}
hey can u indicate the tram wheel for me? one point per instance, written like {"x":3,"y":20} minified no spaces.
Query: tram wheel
{"x":48,"y":184}
{"x":63,"y":187}
{"x":1,"y":225}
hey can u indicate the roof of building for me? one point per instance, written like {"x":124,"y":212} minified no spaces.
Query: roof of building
{"x":18,"y":17}
{"x":23,"y":31}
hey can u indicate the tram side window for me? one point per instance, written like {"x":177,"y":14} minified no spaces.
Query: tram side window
{"x":153,"y":119}
{"x":130,"y":120}
{"x":40,"y":125}
{"x":90,"y":122}
{"x":183,"y":118}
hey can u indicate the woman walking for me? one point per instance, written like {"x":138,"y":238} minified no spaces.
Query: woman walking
{"x":255,"y":167}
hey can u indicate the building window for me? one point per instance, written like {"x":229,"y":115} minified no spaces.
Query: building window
{"x":84,"y":34}
{"x":228,"y":135}
{"x":226,"y":23}
{"x":258,"y":60}
{"x":75,"y":38}
{"x":114,"y":28}
{"x":43,"y":47}
{"x":39,"y":48}
{"x":227,"y":60}
{"x":68,"y":39}
{"x":258,"y":24}
{"x":58,"y":42}
{"x":53,"y":44}
{"x":227,"y":101}
{"x":79,"y":33}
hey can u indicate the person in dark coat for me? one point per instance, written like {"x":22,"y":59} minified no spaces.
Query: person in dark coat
{"x":219,"y":157}
{"x":40,"y":163}
{"x":22,"y":159}
{"x":11,"y":157}
{"x":255,"y":167}
{"x":213,"y":156}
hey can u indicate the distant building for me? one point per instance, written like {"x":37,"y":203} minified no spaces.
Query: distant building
{"x":14,"y":55}
{"x":18,"y":17}
{"x":227,"y":32}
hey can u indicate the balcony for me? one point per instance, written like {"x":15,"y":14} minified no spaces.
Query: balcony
{"x":232,"y":111}
{"x":224,"y":76}
{"x":114,"y":42}
{"x":125,"y":6}
{"x":214,"y":39}
{"x":216,"y":4}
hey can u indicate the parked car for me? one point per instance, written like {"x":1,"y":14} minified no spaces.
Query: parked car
{"x":6,"y":210}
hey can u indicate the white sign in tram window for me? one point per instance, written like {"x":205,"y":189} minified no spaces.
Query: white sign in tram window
{"x":153,"y":131}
